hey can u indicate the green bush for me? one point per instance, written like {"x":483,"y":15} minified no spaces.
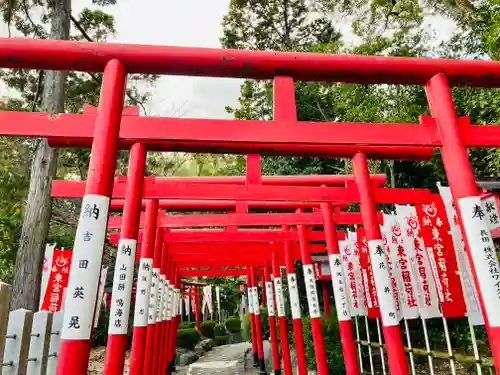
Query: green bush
{"x":220,"y":340}
{"x":100,"y":333}
{"x":264,"y":325}
{"x":186,"y":325}
{"x":333,"y":346}
{"x":207,"y":328}
{"x":246,"y":328}
{"x":187,"y":338}
{"x":233,"y":324}
{"x":220,"y":330}
{"x":459,"y":335}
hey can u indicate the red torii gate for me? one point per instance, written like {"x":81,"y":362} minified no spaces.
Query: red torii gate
{"x":237,"y":219}
{"x":219,"y":205}
{"x":285,"y":136}
{"x":255,"y":219}
{"x":235,"y":259}
{"x":255,"y":328}
{"x":242,"y":220}
{"x":76,"y":189}
{"x":232,"y":262}
{"x":255,"y":259}
{"x":253,"y":172}
{"x":200,"y":273}
{"x":236,"y":241}
{"x":153,"y":189}
{"x":255,"y":323}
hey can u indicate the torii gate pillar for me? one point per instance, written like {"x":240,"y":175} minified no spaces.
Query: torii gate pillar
{"x":483,"y":260}
{"x":87,"y":255}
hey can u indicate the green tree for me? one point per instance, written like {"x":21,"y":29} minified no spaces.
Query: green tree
{"x":38,"y":90}
{"x":187,"y":164}
{"x":50,"y":89}
{"x":477,"y":21}
{"x":275,"y":25}
{"x":394,"y":28}
{"x":285,"y":25}
{"x":14,"y":173}
{"x":477,"y":24}
{"x":229,"y":295}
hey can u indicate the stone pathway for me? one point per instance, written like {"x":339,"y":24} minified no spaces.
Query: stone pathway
{"x":222,"y":360}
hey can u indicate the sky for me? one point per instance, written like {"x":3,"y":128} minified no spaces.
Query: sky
{"x":195,"y":23}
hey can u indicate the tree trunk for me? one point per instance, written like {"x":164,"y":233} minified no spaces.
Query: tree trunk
{"x":392,"y":169}
{"x":29,"y":259}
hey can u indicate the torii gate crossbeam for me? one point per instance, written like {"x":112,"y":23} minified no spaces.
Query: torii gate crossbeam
{"x":243,"y":220}
{"x":199,"y":191}
{"x":210,"y":62}
{"x":108,"y":131}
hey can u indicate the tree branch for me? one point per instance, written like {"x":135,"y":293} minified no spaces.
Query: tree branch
{"x":94,"y":77}
{"x":179,"y":166}
{"x":28,"y":16}
{"x":325,"y":117}
{"x":80,"y":28}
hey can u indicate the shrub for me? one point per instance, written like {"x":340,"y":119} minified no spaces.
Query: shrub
{"x":233,"y":324}
{"x":220,"y":330}
{"x":100,"y":334}
{"x":186,"y":325}
{"x":333,"y":346}
{"x":187,"y":338}
{"x":220,"y":340}
{"x":207,"y":328}
{"x":264,"y":325}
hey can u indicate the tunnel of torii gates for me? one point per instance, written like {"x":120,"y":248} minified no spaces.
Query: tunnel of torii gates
{"x":180,"y":248}
{"x":108,"y":129}
{"x":209,"y":248}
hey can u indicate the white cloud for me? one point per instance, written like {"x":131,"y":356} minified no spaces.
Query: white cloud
{"x":192,"y":23}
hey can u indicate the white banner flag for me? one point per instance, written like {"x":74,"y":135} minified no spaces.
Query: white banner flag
{"x":207,"y":299}
{"x":469,"y":288}
{"x":490,"y":209}
{"x":217,"y":296}
{"x":47,"y":266}
{"x":392,"y":261}
{"x":243,"y":309}
{"x":428,"y":300}
{"x":100,"y":295}
{"x":352,"y":272}
{"x":187,"y":302}
{"x":404,"y":272}
{"x":210,"y":299}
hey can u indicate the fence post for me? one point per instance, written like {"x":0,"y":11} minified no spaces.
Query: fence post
{"x":5,"y":294}
{"x":17,"y":342}
{"x":55,"y":340}
{"x":39,"y":344}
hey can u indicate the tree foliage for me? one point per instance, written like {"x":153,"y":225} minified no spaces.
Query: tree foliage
{"x":25,"y":94}
{"x":275,"y":25}
{"x":380,"y":27}
{"x":477,"y":21}
{"x":384,"y":27}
